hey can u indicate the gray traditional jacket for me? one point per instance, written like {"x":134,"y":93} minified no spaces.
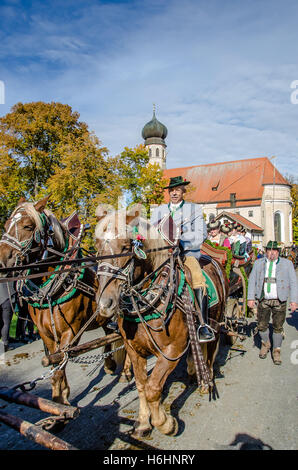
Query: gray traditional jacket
{"x":189,"y":217}
{"x":286,"y":282}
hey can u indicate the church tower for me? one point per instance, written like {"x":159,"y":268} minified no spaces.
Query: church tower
{"x":154,"y":134}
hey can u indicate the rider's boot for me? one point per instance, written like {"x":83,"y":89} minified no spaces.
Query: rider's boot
{"x":205,"y":333}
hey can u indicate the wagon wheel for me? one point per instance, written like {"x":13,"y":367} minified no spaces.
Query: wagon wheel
{"x":233,"y":310}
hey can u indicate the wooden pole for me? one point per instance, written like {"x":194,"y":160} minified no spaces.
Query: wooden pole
{"x":35,"y":433}
{"x":80,"y":349}
{"x":28,"y":399}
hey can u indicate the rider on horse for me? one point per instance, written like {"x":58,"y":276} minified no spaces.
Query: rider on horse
{"x":189,"y":217}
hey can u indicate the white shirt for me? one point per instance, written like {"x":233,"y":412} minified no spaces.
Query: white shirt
{"x":273,"y":290}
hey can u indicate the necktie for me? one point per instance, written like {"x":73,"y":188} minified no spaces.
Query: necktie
{"x":269,"y":276}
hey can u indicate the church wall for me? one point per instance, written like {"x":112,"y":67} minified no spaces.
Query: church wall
{"x":277,"y":199}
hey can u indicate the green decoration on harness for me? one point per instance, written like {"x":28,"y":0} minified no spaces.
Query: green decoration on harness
{"x":61,"y":300}
{"x":212,"y":298}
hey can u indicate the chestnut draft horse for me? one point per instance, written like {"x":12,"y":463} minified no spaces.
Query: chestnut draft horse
{"x":61,"y":304}
{"x":153,"y":331}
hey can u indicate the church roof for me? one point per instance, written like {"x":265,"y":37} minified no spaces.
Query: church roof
{"x":216,"y":182}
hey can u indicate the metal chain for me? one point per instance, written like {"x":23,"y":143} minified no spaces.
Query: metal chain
{"x":32,"y":383}
{"x":94,"y":358}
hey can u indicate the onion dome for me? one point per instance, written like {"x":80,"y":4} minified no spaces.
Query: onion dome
{"x":154,"y":129}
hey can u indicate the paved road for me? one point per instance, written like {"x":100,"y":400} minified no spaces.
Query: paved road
{"x":257,"y":405}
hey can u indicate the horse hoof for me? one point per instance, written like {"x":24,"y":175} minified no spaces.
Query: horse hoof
{"x":170,"y":427}
{"x":203,"y":390}
{"x":139,"y":433}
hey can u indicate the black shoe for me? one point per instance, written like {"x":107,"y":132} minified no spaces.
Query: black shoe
{"x":205,"y":334}
{"x":113,"y":325}
{"x":7,"y":347}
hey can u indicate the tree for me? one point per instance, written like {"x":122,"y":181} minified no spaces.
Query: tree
{"x":83,"y":179}
{"x":141,"y":182}
{"x":293,"y":181}
{"x":32,"y":134}
{"x":11,"y":184}
{"x":44,"y":147}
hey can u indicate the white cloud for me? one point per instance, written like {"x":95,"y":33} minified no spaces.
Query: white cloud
{"x":219,"y":75}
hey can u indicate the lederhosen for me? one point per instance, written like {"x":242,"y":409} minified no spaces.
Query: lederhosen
{"x":268,"y":307}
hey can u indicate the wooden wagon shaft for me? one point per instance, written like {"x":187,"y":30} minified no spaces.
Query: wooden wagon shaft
{"x":80,"y":349}
{"x":35,"y":433}
{"x":25,"y":398}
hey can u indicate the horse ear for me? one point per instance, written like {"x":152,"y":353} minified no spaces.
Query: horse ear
{"x":134,"y":213}
{"x":40,"y":205}
{"x":21,"y":201}
{"x":103,"y":210}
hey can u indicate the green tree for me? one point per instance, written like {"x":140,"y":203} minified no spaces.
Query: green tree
{"x":83,"y":179}
{"x":293,"y":181}
{"x":11,"y":184}
{"x":45,"y":148}
{"x":32,"y":133}
{"x":140,"y":181}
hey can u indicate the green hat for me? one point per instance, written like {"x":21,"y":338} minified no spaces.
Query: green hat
{"x":177,"y":181}
{"x":272,"y":245}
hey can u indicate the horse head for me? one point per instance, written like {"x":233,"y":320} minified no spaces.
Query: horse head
{"x":118,"y":233}
{"x":27,"y":232}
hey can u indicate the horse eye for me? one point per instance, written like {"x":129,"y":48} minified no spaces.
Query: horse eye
{"x":28,"y":227}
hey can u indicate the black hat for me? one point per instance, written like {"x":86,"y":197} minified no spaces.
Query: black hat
{"x":226,"y":228}
{"x":177,"y":181}
{"x":213,"y":224}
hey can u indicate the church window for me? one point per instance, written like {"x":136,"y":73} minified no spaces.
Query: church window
{"x":277,"y":227}
{"x":157,"y":152}
{"x":150,"y":153}
{"x":250,"y":213}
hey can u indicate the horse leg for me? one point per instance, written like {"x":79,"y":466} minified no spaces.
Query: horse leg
{"x":109,"y":363}
{"x":142,"y":425}
{"x":60,"y":386}
{"x":164,"y":422}
{"x":126,"y":374}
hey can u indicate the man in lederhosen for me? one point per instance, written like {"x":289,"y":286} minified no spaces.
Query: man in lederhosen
{"x":189,"y":217}
{"x":272,"y":282}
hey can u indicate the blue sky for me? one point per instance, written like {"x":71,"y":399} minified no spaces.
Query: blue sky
{"x":219,"y":72}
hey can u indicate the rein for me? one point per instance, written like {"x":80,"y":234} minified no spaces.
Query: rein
{"x":124,"y":274}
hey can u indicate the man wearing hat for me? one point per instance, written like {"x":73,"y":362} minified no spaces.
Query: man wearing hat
{"x":189,"y":217}
{"x":272,"y":282}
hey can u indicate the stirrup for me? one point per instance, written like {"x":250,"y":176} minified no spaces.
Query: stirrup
{"x":212,"y":338}
{"x":113,"y":325}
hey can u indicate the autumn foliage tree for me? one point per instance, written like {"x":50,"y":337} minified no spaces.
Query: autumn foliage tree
{"x":140,"y":181}
{"x":45,"y":148}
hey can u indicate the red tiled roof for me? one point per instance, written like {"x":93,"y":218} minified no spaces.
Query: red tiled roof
{"x":241,"y":220}
{"x":245,"y":178}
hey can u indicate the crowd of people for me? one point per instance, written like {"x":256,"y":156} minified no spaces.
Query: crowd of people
{"x":231,"y":235}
